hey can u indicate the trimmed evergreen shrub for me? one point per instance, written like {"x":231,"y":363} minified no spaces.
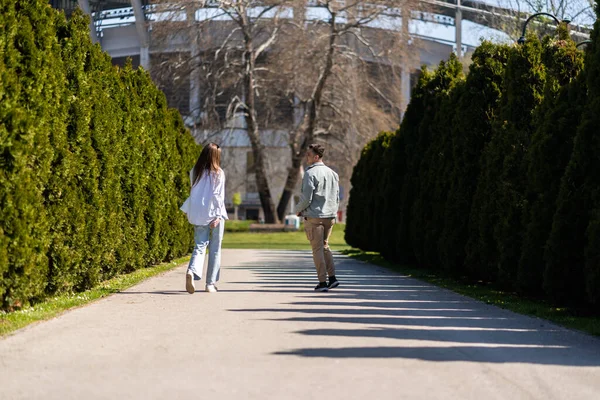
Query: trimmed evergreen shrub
{"x":588,"y":136}
{"x":354,"y":235}
{"x":496,"y":176}
{"x":494,"y":246}
{"x":73,"y":255}
{"x":436,"y":162}
{"x":379,"y":189}
{"x":29,"y":91}
{"x":592,"y":260}
{"x":393,"y":171}
{"x":475,"y":110}
{"x":93,"y":165}
{"x":418,"y":193}
{"x":571,"y":274}
{"x":549,"y":152}
{"x":364,"y":212}
{"x":398,"y":162}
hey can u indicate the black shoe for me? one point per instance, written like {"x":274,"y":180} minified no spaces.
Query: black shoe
{"x":333,"y":283}
{"x":321,"y":287}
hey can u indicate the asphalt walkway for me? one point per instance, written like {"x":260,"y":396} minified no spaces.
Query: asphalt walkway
{"x":267,"y":335}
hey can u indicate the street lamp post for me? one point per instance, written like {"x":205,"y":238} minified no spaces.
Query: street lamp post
{"x":522,"y":38}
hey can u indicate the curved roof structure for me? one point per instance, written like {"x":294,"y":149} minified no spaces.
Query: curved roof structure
{"x":95,"y":5}
{"x":444,"y":21}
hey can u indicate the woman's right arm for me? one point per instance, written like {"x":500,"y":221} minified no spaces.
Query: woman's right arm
{"x":218,"y":187}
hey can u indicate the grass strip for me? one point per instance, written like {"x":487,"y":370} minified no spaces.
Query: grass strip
{"x":574,"y":318}
{"x":10,"y":322}
{"x":232,"y":225}
{"x":294,"y":240}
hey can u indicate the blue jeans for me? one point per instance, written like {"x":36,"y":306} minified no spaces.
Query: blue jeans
{"x":211,"y":238}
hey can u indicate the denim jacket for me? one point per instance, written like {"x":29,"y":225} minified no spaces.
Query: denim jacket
{"x":320,"y":196}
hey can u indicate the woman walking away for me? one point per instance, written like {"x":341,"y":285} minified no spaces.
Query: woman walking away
{"x":205,"y":209}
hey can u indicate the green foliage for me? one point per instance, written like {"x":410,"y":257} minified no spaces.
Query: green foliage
{"x":493,"y":248}
{"x":571,"y":273}
{"x":393,"y":168}
{"x":238,"y":226}
{"x":588,"y":136}
{"x":548,"y":154}
{"x":236,"y":199}
{"x":29,"y":89}
{"x":526,"y":76}
{"x":430,"y":169}
{"x":93,"y":165}
{"x":398,"y":163}
{"x":365,"y":230}
{"x":475,"y":110}
{"x":496,"y":175}
{"x":592,"y":260}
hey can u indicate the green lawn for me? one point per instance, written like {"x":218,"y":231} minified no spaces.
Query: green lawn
{"x":281,"y":240}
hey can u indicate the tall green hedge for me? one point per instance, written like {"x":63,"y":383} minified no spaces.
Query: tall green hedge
{"x":572,"y":268}
{"x":364,"y":232}
{"x":30,"y":90}
{"x":548,"y":154}
{"x":494,"y":176}
{"x":475,"y":110}
{"x":434,"y":157}
{"x":495,"y":214}
{"x":401,"y":158}
{"x":394,"y":160}
{"x":585,"y":155}
{"x":93,"y":165}
{"x":432,"y":93}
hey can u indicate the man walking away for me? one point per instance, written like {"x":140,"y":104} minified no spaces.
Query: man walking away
{"x":319,"y":203}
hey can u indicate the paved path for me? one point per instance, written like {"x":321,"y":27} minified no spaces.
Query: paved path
{"x":266,"y":335}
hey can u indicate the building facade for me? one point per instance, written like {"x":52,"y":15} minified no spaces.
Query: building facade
{"x":124,"y":29}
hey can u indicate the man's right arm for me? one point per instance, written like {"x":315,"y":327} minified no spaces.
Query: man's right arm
{"x":306,"y":193}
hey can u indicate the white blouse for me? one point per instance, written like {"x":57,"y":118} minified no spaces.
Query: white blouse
{"x":207,"y":199}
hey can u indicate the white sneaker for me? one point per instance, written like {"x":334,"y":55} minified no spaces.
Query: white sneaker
{"x":211,"y":289}
{"x":189,"y":283}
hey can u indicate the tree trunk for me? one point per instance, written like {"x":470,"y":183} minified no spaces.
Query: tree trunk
{"x":310,"y":123}
{"x":290,"y":186}
{"x":258,"y":149}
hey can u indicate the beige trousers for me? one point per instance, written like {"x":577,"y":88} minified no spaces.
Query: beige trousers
{"x":318,"y":231}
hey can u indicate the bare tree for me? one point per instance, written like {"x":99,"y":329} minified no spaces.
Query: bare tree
{"x":334,"y":65}
{"x":345,"y":77}
{"x":224,"y":65}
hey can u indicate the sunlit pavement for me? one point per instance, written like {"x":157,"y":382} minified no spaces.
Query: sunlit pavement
{"x":267,"y":335}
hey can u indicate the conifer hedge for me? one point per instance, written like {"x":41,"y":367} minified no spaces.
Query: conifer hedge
{"x":363,"y":233}
{"x":475,"y":110}
{"x":495,"y":175}
{"x":431,"y":157}
{"x":93,"y":164}
{"x":572,"y":267}
{"x":548,"y":154}
{"x":494,"y":241}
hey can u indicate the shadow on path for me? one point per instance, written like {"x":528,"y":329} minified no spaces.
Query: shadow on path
{"x":427,"y":322}
{"x":163,"y":292}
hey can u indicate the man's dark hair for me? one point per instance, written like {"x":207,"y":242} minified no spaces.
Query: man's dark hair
{"x":317,"y":149}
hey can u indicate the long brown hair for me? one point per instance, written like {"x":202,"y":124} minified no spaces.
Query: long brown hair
{"x":209,"y":160}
